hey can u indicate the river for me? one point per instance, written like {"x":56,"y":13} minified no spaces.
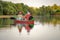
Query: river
{"x":39,"y":32}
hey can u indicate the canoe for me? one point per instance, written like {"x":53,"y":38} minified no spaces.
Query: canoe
{"x":23,"y":22}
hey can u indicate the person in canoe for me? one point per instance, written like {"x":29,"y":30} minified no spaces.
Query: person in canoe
{"x":29,"y":17}
{"x":20,"y":18}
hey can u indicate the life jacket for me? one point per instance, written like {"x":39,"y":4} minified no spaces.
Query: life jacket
{"x":27,"y":16}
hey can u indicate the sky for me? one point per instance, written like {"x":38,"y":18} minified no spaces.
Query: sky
{"x":36,"y":3}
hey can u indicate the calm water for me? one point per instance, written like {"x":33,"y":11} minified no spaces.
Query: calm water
{"x":39,"y":32}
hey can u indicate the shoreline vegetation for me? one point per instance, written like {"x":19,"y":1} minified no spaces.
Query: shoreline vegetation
{"x":48,"y":14}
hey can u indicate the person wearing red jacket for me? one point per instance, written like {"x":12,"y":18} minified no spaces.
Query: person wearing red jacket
{"x":27,"y":19}
{"x":27,"y":16}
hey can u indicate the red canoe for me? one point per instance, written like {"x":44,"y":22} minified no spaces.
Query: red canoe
{"x":24,"y":22}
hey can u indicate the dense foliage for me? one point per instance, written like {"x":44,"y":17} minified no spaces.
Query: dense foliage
{"x":45,"y":13}
{"x":9,"y":8}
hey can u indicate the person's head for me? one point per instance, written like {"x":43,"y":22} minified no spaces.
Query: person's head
{"x":20,"y":12}
{"x":28,"y":13}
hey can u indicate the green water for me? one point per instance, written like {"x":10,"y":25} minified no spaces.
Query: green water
{"x":5,"y":21}
{"x":43,"y":19}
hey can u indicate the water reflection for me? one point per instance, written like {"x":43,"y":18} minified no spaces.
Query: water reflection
{"x":27,"y":27}
{"x":42,"y":19}
{"x":39,"y":32}
{"x":42,"y":29}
